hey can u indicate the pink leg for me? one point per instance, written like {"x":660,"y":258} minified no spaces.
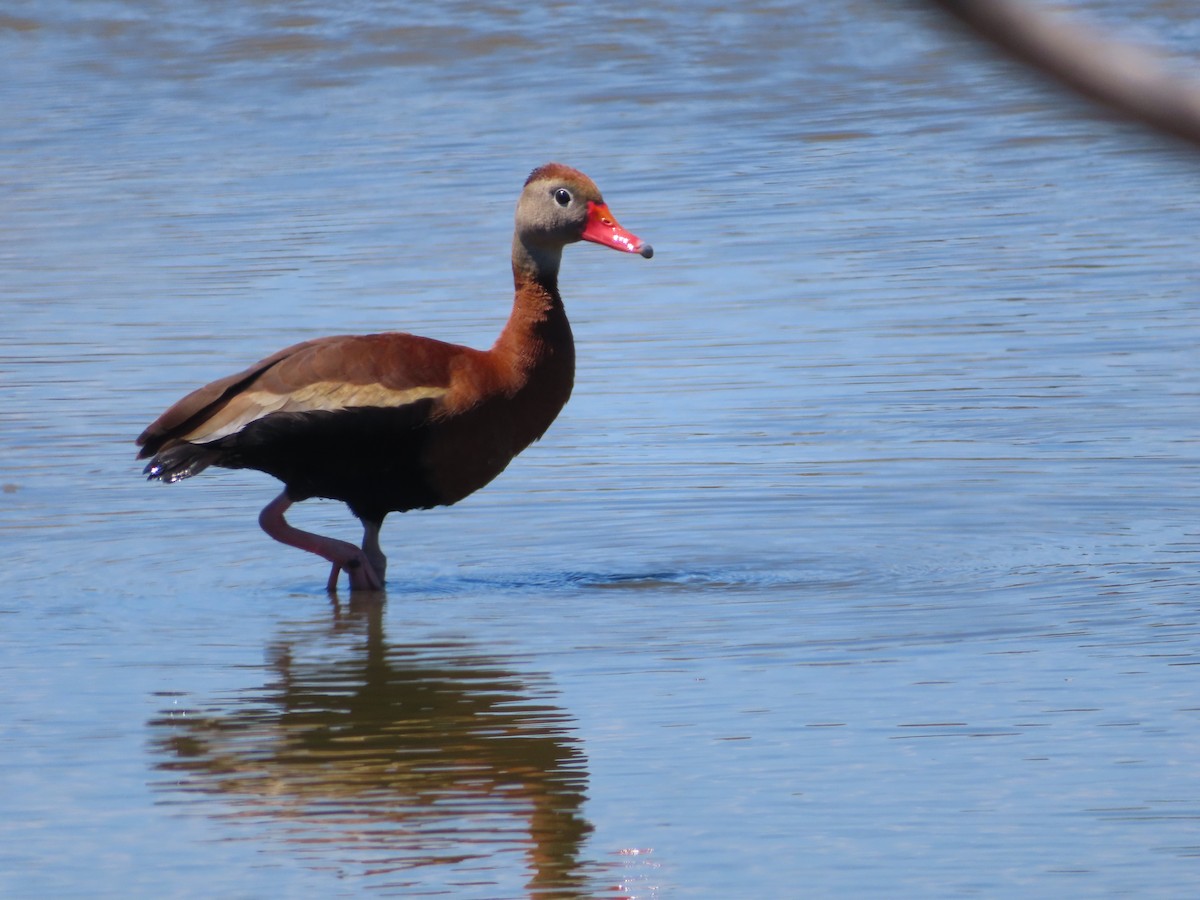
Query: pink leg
{"x":372,"y":549}
{"x":343,"y":555}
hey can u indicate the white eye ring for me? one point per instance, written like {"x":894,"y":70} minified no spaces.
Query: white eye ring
{"x":562,"y":197}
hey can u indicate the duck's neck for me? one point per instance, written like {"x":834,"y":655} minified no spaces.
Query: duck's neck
{"x":536,"y":341}
{"x":535,"y":352}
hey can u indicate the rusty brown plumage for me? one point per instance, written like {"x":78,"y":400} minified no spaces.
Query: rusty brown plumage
{"x":391,"y":422}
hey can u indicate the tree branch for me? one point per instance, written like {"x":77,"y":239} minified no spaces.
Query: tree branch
{"x":1132,"y":80}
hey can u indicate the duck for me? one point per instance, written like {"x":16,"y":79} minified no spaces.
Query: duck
{"x":394,"y":422}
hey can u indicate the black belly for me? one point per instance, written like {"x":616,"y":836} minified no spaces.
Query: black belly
{"x":373,"y":459}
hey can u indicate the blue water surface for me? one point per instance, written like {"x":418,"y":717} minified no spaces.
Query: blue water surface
{"x":865,"y":560}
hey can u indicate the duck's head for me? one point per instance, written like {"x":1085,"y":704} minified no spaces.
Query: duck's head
{"x":561,"y":205}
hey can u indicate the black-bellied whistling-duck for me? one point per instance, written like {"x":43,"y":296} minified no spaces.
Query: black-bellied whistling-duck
{"x":393,"y":422}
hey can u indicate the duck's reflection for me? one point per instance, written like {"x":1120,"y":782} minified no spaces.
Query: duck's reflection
{"x":390,"y":757}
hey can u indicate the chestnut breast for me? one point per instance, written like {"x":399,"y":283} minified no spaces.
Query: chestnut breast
{"x":498,"y":404}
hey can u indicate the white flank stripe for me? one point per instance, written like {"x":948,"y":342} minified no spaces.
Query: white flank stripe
{"x":321,"y":395}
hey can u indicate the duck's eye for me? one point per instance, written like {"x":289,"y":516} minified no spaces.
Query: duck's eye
{"x":562,"y":197}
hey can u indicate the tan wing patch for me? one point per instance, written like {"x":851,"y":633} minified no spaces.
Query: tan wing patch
{"x":321,"y":395}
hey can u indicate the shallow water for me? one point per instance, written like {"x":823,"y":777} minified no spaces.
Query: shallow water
{"x":864,"y":561}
